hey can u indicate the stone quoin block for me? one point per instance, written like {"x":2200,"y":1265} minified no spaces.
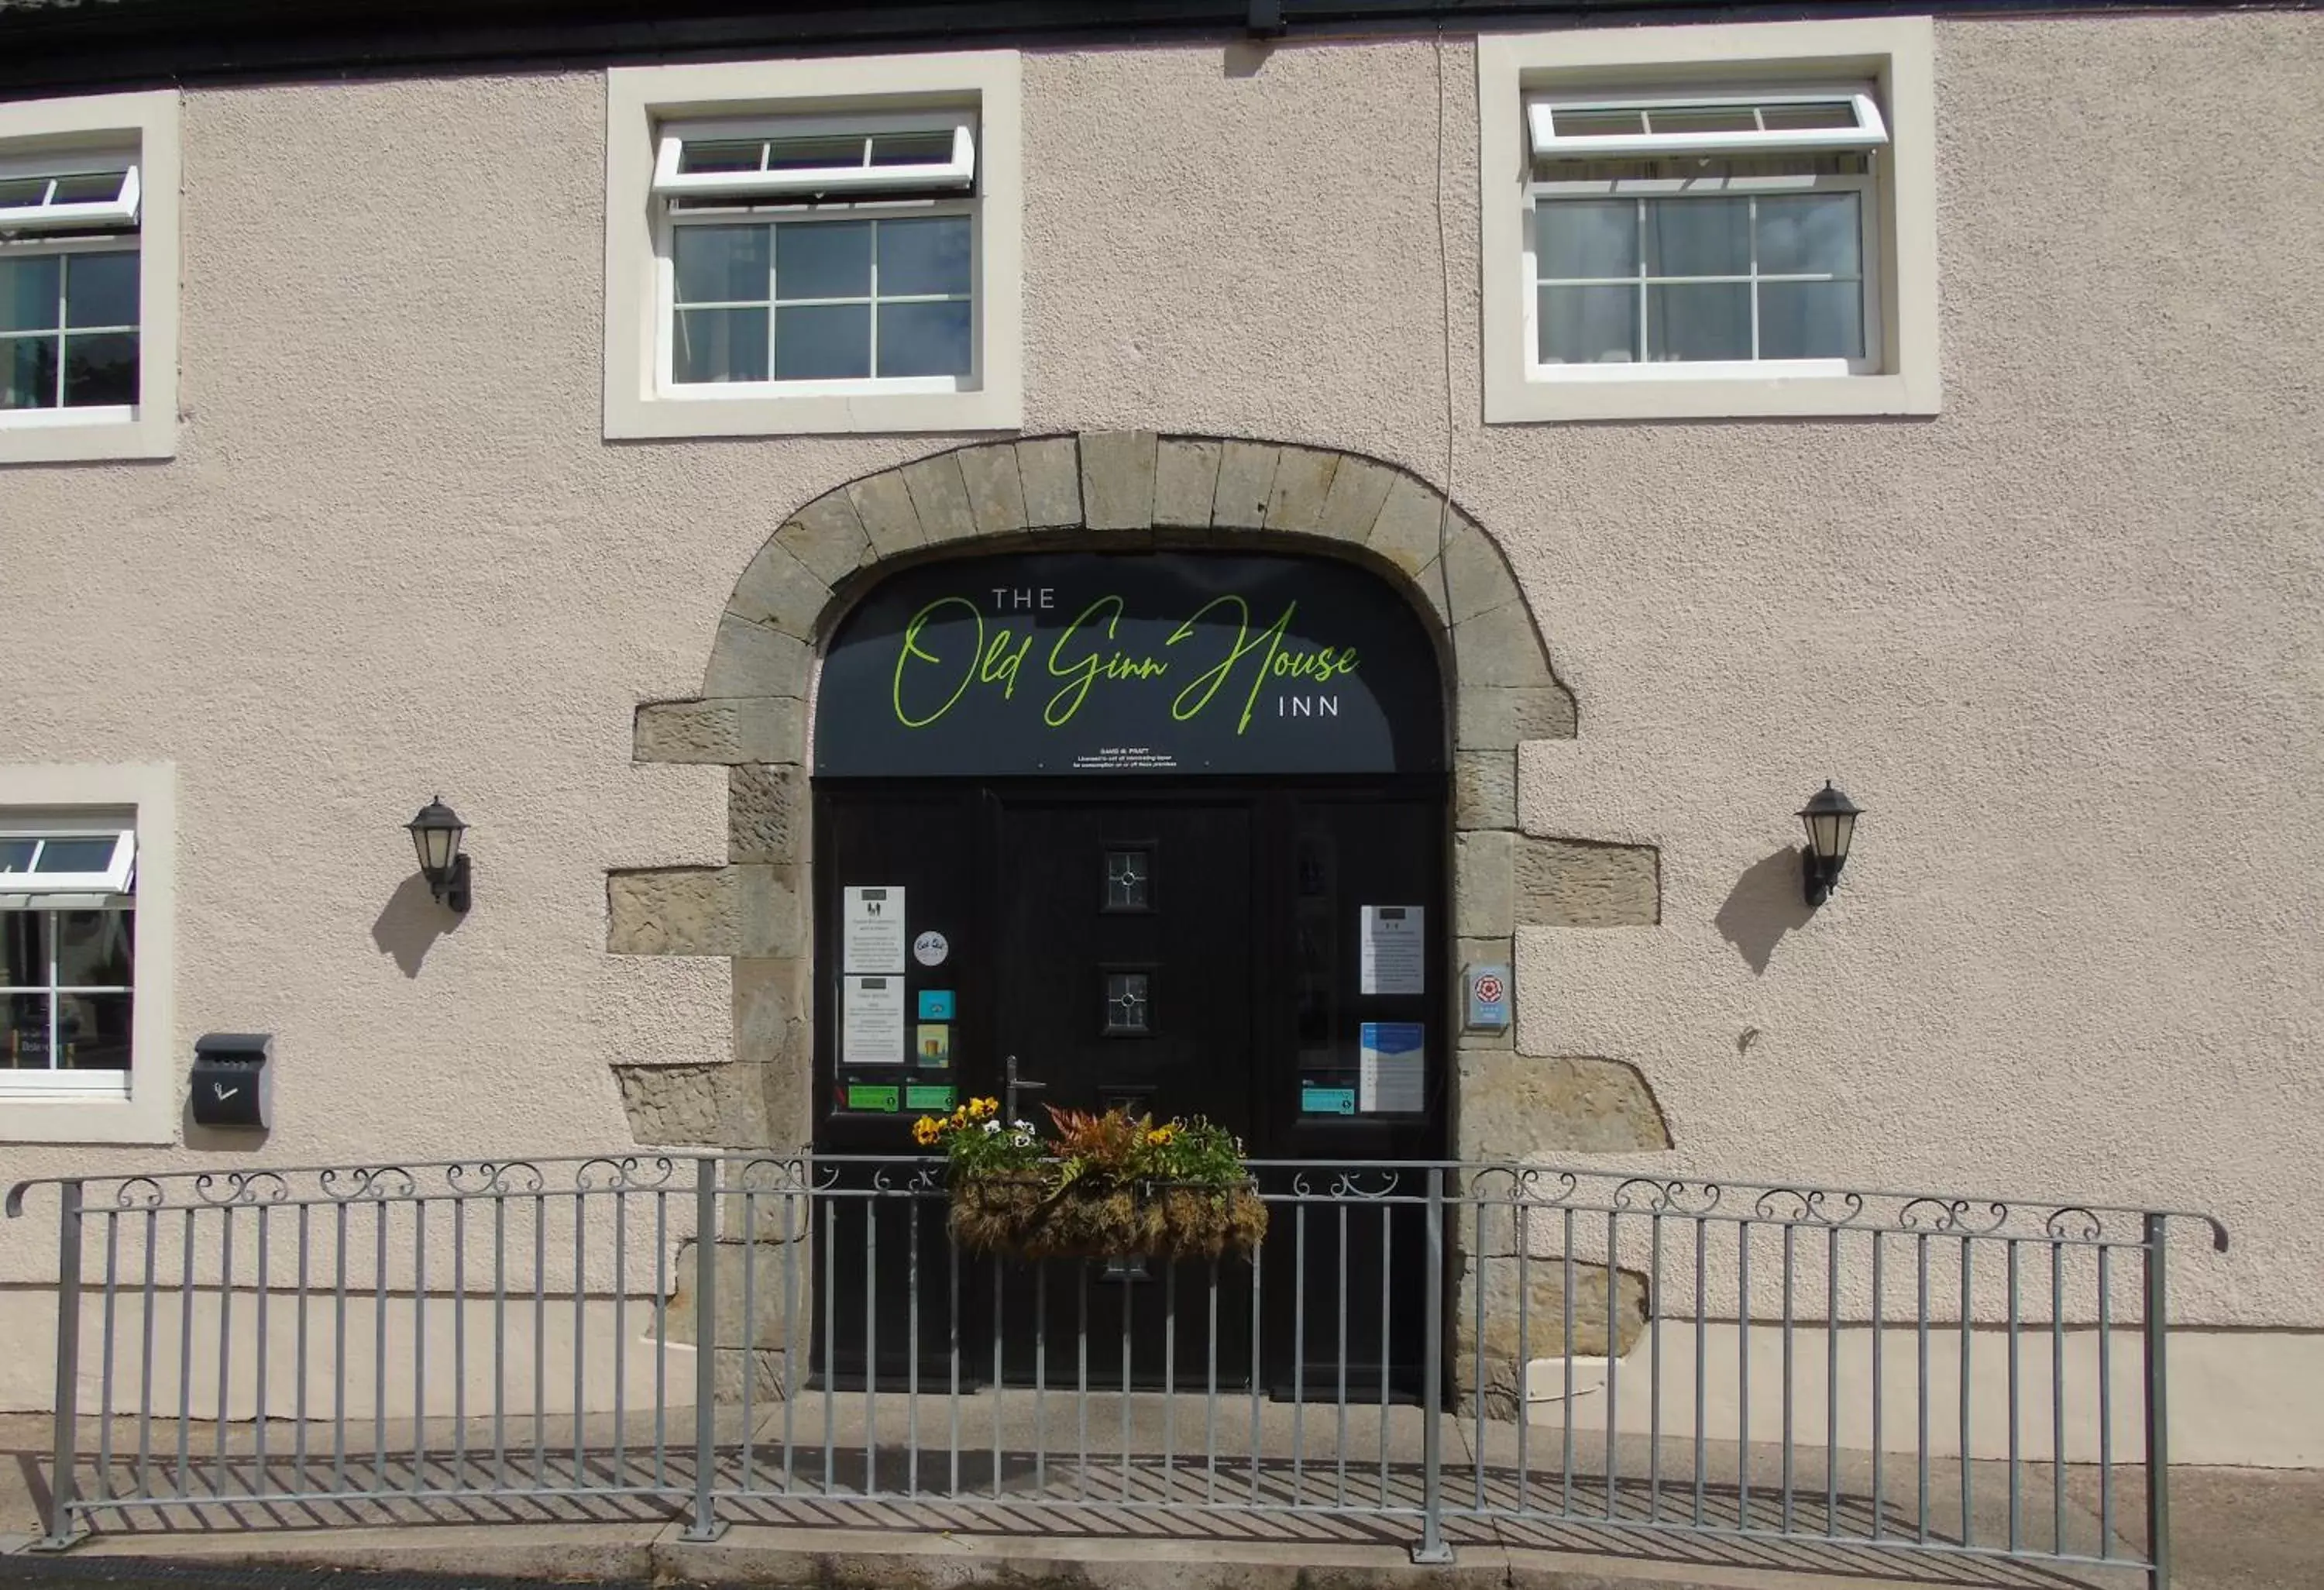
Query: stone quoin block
{"x":1186,"y":483}
{"x":1246,"y":480}
{"x":828,"y":538}
{"x":753,"y":659}
{"x":939,"y":495}
{"x":1050,"y":472}
{"x":1581,"y":883}
{"x":766,"y":812}
{"x":996,"y":492}
{"x":884,"y":503}
{"x":779,"y":591}
{"x":1515,"y":1106}
{"x":765,"y":729}
{"x":1495,"y":717}
{"x":1484,"y":788}
{"x":1303,"y":482}
{"x":1118,"y":479}
{"x":673,"y":910}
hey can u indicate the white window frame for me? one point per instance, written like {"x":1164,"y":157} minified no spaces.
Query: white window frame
{"x":1868,"y":243}
{"x":1890,"y":59}
{"x":120,"y":211}
{"x":976,"y":93}
{"x":1870,"y":132}
{"x":138,"y":802}
{"x":114,"y":878}
{"x":50,"y":135}
{"x":871,"y":386}
{"x":958,"y":170}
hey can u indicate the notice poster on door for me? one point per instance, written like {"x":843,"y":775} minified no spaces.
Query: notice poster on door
{"x":1391,"y":1071}
{"x":872,"y":930}
{"x":871,"y":1021}
{"x":1390,"y":937}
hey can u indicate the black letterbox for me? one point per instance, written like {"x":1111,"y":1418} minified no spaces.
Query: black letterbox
{"x":233,"y":1085}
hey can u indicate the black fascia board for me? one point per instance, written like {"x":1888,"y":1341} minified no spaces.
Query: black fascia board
{"x":65,"y":46}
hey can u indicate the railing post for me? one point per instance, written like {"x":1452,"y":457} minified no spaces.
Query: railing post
{"x":1431,"y":1547}
{"x":705,"y":1524}
{"x":59,"y":1516}
{"x":2158,"y":1405}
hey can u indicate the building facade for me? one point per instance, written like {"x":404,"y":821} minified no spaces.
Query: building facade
{"x":744,"y":473}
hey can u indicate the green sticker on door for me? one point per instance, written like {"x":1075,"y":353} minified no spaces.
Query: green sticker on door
{"x":928,"y":1098}
{"x":881,"y":1100}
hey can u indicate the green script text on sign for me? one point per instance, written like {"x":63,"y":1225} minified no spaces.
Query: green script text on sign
{"x":1126,"y":663}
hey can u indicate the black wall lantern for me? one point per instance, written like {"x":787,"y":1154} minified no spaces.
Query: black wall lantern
{"x":436,"y":835}
{"x":1830,"y":817}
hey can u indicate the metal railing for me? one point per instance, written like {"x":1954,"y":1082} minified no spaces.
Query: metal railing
{"x":1430,"y":1353}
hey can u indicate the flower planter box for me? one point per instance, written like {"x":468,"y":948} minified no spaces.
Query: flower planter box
{"x":1027,"y":1217}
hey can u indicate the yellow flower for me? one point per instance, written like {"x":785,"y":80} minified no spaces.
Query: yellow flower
{"x":980,"y":1109}
{"x":926,"y":1129}
{"x":1160,"y":1136}
{"x":960,"y":1117}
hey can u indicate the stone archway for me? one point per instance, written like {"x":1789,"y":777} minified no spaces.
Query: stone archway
{"x":1117,"y":489}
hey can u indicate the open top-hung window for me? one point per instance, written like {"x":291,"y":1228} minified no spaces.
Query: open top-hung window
{"x":806,"y":253}
{"x":1705,"y":232}
{"x":69,"y":284}
{"x":67,"y":922}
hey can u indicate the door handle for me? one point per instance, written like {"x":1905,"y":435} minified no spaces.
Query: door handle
{"x":1013,"y":1086}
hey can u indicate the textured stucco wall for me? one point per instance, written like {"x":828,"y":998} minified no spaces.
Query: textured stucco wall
{"x":2061,"y":640}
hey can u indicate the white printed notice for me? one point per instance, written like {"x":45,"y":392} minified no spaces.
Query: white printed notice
{"x":1392,"y":1068}
{"x":1391,"y":940}
{"x":872,"y":930}
{"x":872,"y":1021}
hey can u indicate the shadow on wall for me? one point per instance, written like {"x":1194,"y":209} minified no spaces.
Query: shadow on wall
{"x":1765,"y":904}
{"x":409,"y":923}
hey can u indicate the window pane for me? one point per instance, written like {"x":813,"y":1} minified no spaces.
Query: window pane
{"x":1128,"y":1003}
{"x":811,"y":155}
{"x":719,"y":265}
{"x":924,"y":256}
{"x":76,"y":856}
{"x":831,"y":259}
{"x":28,"y":294}
{"x":101,"y":369}
{"x":88,"y":187}
{"x":93,"y":948}
{"x":93,"y":1031}
{"x":17,"y":854}
{"x":1128,"y":880}
{"x":24,"y":959}
{"x":23,"y":192}
{"x":723,"y":154}
{"x":1813,"y":234}
{"x":1709,"y":322}
{"x":24,"y":1032}
{"x":719,"y":344}
{"x":912,"y":148}
{"x":1698,"y":237}
{"x":1597,"y":124}
{"x":1811,"y":320}
{"x":826,"y":343}
{"x":101,"y":289}
{"x":1586,"y":238}
{"x":1799,"y":118}
{"x":1726,"y":118}
{"x":923,"y":338}
{"x":28,"y":373}
{"x":1588,"y":325}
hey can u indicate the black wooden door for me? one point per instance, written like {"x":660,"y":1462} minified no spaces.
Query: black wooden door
{"x":1125,"y":978}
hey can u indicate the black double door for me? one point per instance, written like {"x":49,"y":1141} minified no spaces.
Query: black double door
{"x":1172,"y":951}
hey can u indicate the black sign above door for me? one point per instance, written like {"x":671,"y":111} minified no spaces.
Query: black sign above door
{"x":1103,"y":662}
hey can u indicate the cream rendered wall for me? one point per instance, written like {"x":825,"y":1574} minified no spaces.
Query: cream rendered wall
{"x":2061,"y":640}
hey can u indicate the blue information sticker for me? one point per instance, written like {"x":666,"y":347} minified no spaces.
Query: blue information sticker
{"x":1326,"y":1101}
{"x":935,"y":1004}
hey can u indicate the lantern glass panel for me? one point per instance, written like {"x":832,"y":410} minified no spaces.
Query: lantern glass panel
{"x":436,"y":847}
